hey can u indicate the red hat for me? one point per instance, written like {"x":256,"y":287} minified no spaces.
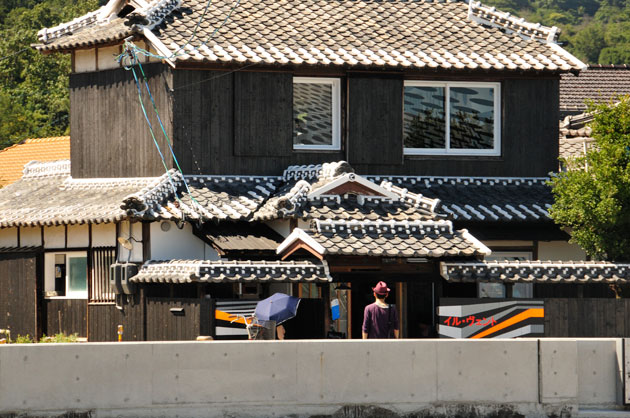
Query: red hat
{"x":381,"y":288}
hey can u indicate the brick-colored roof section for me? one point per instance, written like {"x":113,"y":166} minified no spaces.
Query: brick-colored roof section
{"x":389,"y":34}
{"x":597,"y":83}
{"x":13,"y":158}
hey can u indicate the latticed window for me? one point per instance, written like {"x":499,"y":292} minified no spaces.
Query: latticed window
{"x":102,"y":258}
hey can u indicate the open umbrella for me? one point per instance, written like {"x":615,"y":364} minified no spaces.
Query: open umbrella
{"x":277,"y":307}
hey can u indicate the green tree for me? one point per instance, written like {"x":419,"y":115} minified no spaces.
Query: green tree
{"x":594,"y":202}
{"x":34,"y":87}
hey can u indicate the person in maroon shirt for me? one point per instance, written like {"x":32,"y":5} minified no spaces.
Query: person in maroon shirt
{"x":380,"y":320}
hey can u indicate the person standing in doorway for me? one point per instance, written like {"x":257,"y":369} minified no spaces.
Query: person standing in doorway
{"x":380,"y":320}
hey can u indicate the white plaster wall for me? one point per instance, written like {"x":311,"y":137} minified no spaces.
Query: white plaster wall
{"x":281,"y":226}
{"x":304,"y":224}
{"x":104,"y":235}
{"x":78,"y":236}
{"x":304,"y":378}
{"x":560,"y":250}
{"x":84,"y":60}
{"x":134,"y":235}
{"x":30,"y":236}
{"x":107,"y":57}
{"x":178,"y":244}
{"x":55,"y":236}
{"x":8,"y":237}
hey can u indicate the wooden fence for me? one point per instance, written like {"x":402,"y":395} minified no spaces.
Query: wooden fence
{"x":587,"y":317}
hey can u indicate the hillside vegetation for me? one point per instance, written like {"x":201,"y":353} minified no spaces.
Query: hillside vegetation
{"x":34,"y":87}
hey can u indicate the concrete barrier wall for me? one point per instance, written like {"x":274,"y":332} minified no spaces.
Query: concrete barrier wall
{"x":526,"y":377}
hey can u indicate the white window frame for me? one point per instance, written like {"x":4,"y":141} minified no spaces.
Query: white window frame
{"x":336,"y":112}
{"x":49,"y":274}
{"x":496,"y":151}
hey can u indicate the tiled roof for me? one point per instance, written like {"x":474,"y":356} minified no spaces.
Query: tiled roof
{"x":484,"y":199}
{"x":104,"y":26}
{"x":13,"y":158}
{"x":304,"y":195}
{"x":597,"y":83}
{"x":241,"y":236}
{"x":192,"y":271}
{"x":226,"y":197}
{"x":403,"y":34}
{"x":47,"y":195}
{"x":302,"y":192}
{"x":387,"y":239}
{"x":536,"y":272}
{"x":575,"y":138}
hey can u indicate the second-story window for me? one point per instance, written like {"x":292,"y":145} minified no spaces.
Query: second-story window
{"x":444,"y":118}
{"x":316,"y":113}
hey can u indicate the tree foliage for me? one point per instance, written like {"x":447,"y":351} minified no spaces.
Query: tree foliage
{"x":33,"y":87}
{"x":594,"y":202}
{"x":596,"y":31}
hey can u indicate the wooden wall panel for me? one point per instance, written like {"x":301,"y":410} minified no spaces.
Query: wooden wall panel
{"x":109,"y":134}
{"x":165,"y":325}
{"x":18,"y":294}
{"x":375,"y":121}
{"x":529,"y":138}
{"x":105,"y":318}
{"x":240,"y":122}
{"x":587,"y":317}
{"x":263,"y":114}
{"x":67,"y":316}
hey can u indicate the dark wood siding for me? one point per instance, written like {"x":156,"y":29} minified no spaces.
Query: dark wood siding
{"x":193,"y":320}
{"x":19,"y":293}
{"x":223,"y":122}
{"x":109,"y":134}
{"x":375,"y":121}
{"x":203,"y":120}
{"x":529,"y":138}
{"x":67,"y":316}
{"x":105,"y":318}
{"x":208,"y":114}
{"x":588,"y":317}
{"x":263,"y":114}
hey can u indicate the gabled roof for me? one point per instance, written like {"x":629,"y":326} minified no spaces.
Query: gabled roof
{"x":13,"y":158}
{"x":334,"y":191}
{"x":434,"y":239}
{"x":398,"y":34}
{"x":193,"y":271}
{"x":599,"y":83}
{"x":47,"y":195}
{"x":576,"y":272}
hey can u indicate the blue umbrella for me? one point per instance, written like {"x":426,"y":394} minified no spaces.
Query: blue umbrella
{"x":277,"y":307}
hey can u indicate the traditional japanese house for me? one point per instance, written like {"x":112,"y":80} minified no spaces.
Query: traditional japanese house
{"x":310,"y":147}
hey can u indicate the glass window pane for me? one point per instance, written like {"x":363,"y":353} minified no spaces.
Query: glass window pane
{"x":472,"y":117}
{"x":77,"y":276}
{"x":312,"y":114}
{"x":424,"y":123}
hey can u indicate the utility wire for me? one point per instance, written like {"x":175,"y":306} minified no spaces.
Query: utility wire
{"x":14,"y":54}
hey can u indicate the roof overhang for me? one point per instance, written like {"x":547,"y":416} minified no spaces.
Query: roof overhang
{"x":548,"y":272}
{"x":231,"y":271}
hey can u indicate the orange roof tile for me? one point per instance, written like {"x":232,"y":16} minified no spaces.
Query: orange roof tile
{"x":13,"y":158}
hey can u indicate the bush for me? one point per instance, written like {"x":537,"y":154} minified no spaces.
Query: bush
{"x":60,"y":338}
{"x":23,"y":339}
